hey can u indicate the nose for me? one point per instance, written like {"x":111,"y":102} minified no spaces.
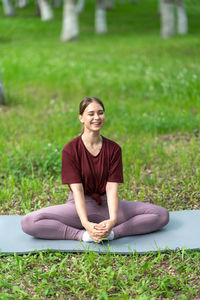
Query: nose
{"x":96,"y":116}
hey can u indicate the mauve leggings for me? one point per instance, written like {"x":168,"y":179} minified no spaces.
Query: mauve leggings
{"x":62,"y":221}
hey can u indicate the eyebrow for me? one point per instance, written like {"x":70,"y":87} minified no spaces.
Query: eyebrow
{"x":91,"y":111}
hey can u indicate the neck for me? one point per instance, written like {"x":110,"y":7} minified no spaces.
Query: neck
{"x":91,"y":137}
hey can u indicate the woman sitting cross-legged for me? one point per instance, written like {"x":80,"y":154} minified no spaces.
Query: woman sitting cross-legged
{"x":92,"y":167}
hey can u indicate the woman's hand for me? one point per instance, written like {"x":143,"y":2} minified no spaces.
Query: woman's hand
{"x":96,"y":231}
{"x":99,"y":231}
{"x":108,"y":225}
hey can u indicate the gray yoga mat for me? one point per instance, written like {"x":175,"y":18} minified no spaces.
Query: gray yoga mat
{"x":183,"y":231}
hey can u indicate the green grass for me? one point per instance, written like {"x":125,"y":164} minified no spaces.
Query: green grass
{"x":151,"y":91}
{"x":93,"y":276}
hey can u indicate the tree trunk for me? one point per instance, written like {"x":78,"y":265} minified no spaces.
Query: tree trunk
{"x":70,"y":28}
{"x":21,"y":3}
{"x":8,"y":8}
{"x":37,"y":9}
{"x":2,"y":97}
{"x":100,"y":17}
{"x":109,"y":4}
{"x":57,"y":3}
{"x":45,"y":10}
{"x":80,"y":6}
{"x":159,"y":7}
{"x":182,"y":21}
{"x":167,"y":18}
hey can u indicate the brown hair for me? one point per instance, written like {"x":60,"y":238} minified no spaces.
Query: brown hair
{"x":86,"y":101}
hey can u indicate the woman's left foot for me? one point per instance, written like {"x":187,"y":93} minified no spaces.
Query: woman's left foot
{"x":110,"y":237}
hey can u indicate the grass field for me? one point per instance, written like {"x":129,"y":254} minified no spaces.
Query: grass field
{"x":151,"y":91}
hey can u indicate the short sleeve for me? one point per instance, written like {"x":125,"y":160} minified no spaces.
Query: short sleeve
{"x":116,"y":167}
{"x":70,"y":168}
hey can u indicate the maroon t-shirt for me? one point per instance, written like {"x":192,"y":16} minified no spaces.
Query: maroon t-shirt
{"x":80,"y":166}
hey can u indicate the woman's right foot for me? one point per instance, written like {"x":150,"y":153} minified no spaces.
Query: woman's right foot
{"x":86,"y":238}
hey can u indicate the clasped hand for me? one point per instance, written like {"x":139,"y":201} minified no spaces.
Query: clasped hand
{"x":99,"y":231}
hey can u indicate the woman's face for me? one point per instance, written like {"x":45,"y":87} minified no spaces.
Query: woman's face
{"x":93,"y":117}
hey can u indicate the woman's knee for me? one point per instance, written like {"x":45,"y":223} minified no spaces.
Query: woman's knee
{"x":164,"y":217}
{"x":27,"y":224}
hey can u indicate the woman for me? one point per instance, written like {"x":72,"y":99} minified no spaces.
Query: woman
{"x":92,"y":167}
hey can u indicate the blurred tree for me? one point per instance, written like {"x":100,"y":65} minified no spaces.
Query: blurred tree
{"x":80,"y":6}
{"x":71,"y":9}
{"x":108,"y":4}
{"x":46,"y":11}
{"x":100,"y":17}
{"x":57,"y":3}
{"x":168,"y":18}
{"x":8,"y":8}
{"x":21,"y":3}
{"x":43,"y":8}
{"x":2,"y":96}
{"x":70,"y":27}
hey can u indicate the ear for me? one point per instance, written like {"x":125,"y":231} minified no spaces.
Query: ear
{"x":81,"y":118}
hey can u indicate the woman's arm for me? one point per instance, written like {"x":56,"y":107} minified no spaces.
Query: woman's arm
{"x":112,"y":199}
{"x":95,"y":231}
{"x":78,"y":194}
